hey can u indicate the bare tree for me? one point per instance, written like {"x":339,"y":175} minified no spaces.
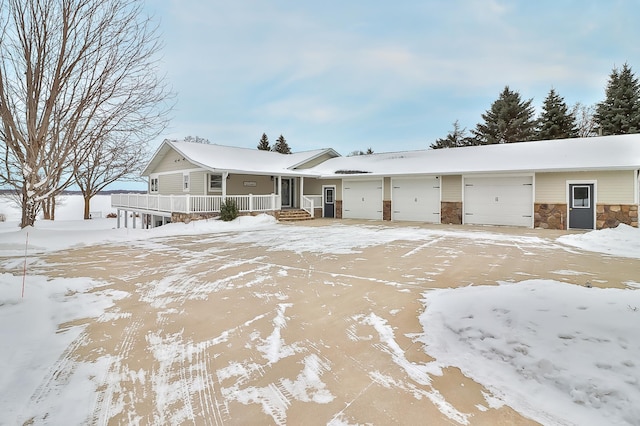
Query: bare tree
{"x":585,"y":120}
{"x":108,"y":161}
{"x":73,"y":73}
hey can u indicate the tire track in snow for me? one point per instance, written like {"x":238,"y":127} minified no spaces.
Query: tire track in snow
{"x":60,"y":372}
{"x":105,"y":407}
{"x":416,"y":372}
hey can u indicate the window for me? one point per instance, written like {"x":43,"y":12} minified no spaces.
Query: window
{"x":185,"y":182}
{"x":215,"y":183}
{"x":153,"y":184}
{"x":581,"y":198}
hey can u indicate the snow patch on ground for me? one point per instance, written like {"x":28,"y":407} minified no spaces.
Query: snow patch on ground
{"x":37,"y":331}
{"x":623,"y":241}
{"x":558,"y":353}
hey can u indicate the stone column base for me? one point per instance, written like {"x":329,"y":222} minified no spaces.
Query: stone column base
{"x":386,"y":210}
{"x":550,"y":216}
{"x":612,"y":215}
{"x":451,"y":213}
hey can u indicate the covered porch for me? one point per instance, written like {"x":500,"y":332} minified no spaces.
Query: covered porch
{"x":158,"y":209}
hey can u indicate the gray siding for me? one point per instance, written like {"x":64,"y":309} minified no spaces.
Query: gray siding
{"x":236,"y":185}
{"x":170,"y":184}
{"x":173,"y":161}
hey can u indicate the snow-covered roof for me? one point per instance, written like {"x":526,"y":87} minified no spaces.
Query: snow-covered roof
{"x":597,"y":153}
{"x":237,"y":160}
{"x":620,"y":152}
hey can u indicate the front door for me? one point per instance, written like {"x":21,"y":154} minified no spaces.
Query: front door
{"x":581,"y":206}
{"x":329,"y":201}
{"x":287,"y":192}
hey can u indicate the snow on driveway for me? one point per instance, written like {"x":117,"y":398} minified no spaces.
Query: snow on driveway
{"x":556,"y":352}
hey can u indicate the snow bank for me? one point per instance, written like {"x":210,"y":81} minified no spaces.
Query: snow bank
{"x":623,"y":241}
{"x":35,"y":334}
{"x":556,"y":352}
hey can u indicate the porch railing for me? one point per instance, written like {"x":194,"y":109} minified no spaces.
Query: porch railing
{"x":310,"y":202}
{"x":194,"y":203}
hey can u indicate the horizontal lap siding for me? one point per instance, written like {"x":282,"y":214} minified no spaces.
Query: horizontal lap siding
{"x":451,"y":187}
{"x":613,"y":187}
{"x":236,"y":185}
{"x":173,"y":161}
{"x":198,"y":183}
{"x":170,"y":184}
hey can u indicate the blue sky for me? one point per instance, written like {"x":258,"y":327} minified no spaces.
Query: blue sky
{"x":387,"y":75}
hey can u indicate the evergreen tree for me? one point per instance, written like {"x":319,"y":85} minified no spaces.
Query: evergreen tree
{"x":281,"y":146}
{"x":456,"y":138}
{"x":264,"y":145}
{"x":509,"y":120}
{"x":556,"y":121}
{"x":619,"y":113}
{"x":369,"y":151}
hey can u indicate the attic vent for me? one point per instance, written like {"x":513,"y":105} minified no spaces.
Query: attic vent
{"x":350,"y":172}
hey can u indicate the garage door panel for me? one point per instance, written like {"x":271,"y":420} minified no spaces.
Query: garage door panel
{"x":416,"y":199}
{"x":362,"y":200}
{"x":499,"y":201}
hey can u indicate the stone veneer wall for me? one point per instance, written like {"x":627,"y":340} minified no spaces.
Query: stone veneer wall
{"x":451,"y":212}
{"x":550,"y":216}
{"x":554,"y":216}
{"x":386,"y":210}
{"x":188,"y":217}
{"x":338,"y":209}
{"x":611,"y":215}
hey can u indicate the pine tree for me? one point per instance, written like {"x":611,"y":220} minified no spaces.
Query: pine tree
{"x":509,"y":120}
{"x":281,"y":146}
{"x":456,"y":138}
{"x":619,"y":113}
{"x":556,"y":121}
{"x":369,"y":151}
{"x":264,"y":145}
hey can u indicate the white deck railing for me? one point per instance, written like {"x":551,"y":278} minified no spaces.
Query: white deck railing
{"x":310,"y":202}
{"x":194,"y":203}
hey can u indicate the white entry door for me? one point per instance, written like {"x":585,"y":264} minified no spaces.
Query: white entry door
{"x":416,"y":199}
{"x":498,"y":200}
{"x":362,"y":199}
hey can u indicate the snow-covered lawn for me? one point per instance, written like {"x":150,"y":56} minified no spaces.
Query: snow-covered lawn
{"x":556,"y":352}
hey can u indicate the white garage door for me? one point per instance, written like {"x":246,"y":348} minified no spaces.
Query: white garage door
{"x":416,"y":199}
{"x":499,"y":201}
{"x":362,"y":199}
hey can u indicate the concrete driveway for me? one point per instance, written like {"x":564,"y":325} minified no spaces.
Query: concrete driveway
{"x":259,"y":328}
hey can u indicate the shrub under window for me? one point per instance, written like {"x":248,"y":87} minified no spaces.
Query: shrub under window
{"x":228,"y":210}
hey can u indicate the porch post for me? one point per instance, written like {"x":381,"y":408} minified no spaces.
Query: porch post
{"x":134,"y":220}
{"x":126,"y":219}
{"x":225,"y":176}
{"x":118,"y":218}
{"x":302,"y":192}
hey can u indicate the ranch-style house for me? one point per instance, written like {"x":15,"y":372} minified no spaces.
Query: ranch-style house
{"x":581,"y":183}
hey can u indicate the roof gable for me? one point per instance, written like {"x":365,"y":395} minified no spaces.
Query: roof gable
{"x":235,"y":159}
